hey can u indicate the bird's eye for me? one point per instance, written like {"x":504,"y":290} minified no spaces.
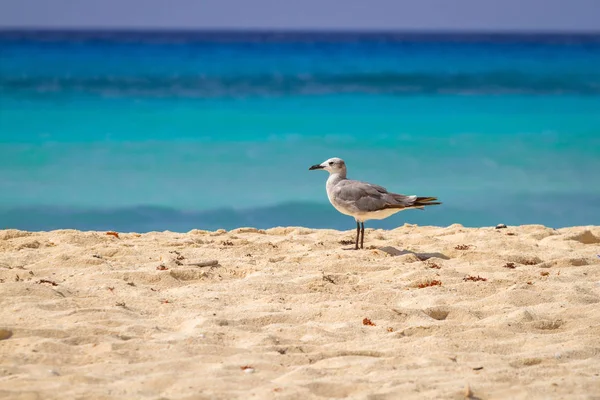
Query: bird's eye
{"x":330,"y":162}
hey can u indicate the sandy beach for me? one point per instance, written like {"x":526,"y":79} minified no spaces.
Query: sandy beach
{"x":288,"y":313}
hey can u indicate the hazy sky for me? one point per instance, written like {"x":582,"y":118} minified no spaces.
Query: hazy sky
{"x":561,"y":15}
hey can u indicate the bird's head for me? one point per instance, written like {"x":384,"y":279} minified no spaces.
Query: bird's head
{"x":333,"y":166}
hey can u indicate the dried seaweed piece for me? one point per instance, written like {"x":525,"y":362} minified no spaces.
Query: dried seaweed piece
{"x":47,"y":281}
{"x":433,"y":265}
{"x":245,"y":367}
{"x":510,"y":265}
{"x":530,"y":262}
{"x":345,"y":242}
{"x":390,"y":329}
{"x":113,"y":233}
{"x":474,"y":278}
{"x":162,"y":268}
{"x":368,"y":322}
{"x":433,"y":282}
{"x":462,"y":247}
{"x":227,"y":243}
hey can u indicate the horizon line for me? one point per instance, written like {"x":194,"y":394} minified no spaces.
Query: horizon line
{"x":306,"y":30}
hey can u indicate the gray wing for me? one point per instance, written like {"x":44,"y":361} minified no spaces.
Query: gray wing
{"x":363,"y":196}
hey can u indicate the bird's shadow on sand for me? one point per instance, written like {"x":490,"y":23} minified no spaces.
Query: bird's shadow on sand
{"x":421,"y":256}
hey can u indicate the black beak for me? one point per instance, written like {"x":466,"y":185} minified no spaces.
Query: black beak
{"x":315,"y":167}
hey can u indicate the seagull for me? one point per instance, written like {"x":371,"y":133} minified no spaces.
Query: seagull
{"x":362,"y":200}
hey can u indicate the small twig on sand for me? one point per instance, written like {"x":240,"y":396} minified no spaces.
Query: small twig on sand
{"x":209,"y":263}
{"x":47,"y":281}
{"x":328,"y":278}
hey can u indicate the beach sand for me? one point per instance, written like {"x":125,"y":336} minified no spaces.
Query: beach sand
{"x":287,"y":313}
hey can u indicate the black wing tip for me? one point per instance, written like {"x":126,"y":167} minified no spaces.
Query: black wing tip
{"x":426,"y":201}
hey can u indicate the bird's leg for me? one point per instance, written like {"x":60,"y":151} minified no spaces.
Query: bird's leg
{"x":362,"y":234}
{"x":357,"y":234}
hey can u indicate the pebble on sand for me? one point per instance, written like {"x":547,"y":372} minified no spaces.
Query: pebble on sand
{"x":5,"y":334}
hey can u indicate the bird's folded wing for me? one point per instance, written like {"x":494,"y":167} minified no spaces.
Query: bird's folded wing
{"x":366,"y":197}
{"x":360,"y":196}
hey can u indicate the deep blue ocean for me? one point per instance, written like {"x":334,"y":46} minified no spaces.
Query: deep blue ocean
{"x":140,"y":131}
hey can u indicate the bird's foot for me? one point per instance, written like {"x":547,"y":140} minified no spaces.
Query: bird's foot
{"x":350,"y":248}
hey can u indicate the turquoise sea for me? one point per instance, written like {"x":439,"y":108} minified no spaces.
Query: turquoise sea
{"x":140,"y":131}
